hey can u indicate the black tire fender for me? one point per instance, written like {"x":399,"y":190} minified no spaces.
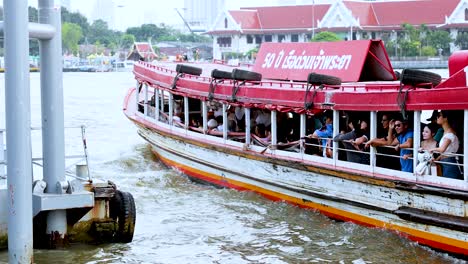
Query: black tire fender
{"x":217,"y":74}
{"x":122,"y":211}
{"x":243,"y":75}
{"x":414,"y":77}
{"x":319,"y":79}
{"x":182,"y":68}
{"x":397,"y":75}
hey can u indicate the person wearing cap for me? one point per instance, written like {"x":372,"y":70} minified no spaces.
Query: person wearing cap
{"x":440,"y":132}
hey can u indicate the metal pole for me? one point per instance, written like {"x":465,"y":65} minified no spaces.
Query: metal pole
{"x":18,"y":138}
{"x":336,"y":131}
{"x":302,"y":131}
{"x":156,"y":104}
{"x":205,"y":117}
{"x":146,"y":100}
{"x":186,"y":112}
{"x":416,"y":137}
{"x":171,"y":108}
{"x":225,"y":122}
{"x":53,"y":139}
{"x":247,"y":126}
{"x":465,"y":145}
{"x":373,"y":134}
{"x":274,"y":134}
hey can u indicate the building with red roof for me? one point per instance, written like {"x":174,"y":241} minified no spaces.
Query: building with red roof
{"x":142,"y":51}
{"x":238,"y":31}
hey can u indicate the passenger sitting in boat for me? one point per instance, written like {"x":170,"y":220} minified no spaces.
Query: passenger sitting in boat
{"x":440,"y":131}
{"x":448,"y":146}
{"x":403,"y":142}
{"x":262,"y":133}
{"x":384,"y":159}
{"x":212,"y":124}
{"x":220,"y":126}
{"x":424,"y":167}
{"x":324,"y":133}
{"x":354,"y":140}
{"x":263,"y":117}
{"x":240,"y":118}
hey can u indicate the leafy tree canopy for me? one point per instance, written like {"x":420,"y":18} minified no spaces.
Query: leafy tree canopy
{"x":325,"y":36}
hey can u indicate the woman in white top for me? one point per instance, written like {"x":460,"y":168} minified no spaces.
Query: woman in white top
{"x":424,"y":157}
{"x":447,"y":147}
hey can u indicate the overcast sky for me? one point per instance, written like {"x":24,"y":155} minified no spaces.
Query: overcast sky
{"x":163,"y":9}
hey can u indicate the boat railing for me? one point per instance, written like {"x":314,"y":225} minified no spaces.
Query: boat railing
{"x":37,"y":161}
{"x":350,"y":87}
{"x":434,"y":161}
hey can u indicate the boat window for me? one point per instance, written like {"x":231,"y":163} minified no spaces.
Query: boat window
{"x":294,"y":38}
{"x":442,"y":140}
{"x":249,"y":39}
{"x":281,"y":38}
{"x":268,"y":38}
{"x":319,"y":131}
{"x":354,"y":132}
{"x":258,"y":39}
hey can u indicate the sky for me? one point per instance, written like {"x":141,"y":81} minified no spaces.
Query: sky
{"x":132,"y":10}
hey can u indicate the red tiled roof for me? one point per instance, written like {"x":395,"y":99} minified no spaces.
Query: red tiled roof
{"x":275,"y":17}
{"x":371,"y":15}
{"x":143,"y":47}
{"x":363,"y":11}
{"x":247,"y":19}
{"x":413,"y":12}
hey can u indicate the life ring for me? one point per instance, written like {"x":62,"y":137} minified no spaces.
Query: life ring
{"x":243,"y":75}
{"x":415,"y":77}
{"x":217,"y":74}
{"x":122,"y":211}
{"x":319,"y":79}
{"x":182,"y":68}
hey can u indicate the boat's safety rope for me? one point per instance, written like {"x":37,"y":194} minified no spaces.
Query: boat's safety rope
{"x":235,"y":89}
{"x":176,"y":78}
{"x":213,"y":84}
{"x":308,"y":104}
{"x":402,"y":97}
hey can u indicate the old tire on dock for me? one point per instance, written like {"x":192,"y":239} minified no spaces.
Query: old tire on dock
{"x":414,"y":77}
{"x":217,"y":74}
{"x":319,"y":79}
{"x":243,"y":75}
{"x":122,"y":211}
{"x":182,"y":68}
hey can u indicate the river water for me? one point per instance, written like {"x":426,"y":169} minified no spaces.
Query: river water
{"x":182,"y":222}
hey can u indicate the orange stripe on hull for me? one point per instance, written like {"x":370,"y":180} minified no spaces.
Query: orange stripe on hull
{"x":424,"y":238}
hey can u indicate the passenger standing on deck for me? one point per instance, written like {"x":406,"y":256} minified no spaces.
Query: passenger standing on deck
{"x":403,"y":142}
{"x":424,"y":156}
{"x":448,"y":146}
{"x":384,"y":159}
{"x":325,"y":134}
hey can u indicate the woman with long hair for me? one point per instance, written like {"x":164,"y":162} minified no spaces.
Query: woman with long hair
{"x":448,"y":146}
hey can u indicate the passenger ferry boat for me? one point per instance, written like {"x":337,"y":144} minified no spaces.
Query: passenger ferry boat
{"x":284,"y":129}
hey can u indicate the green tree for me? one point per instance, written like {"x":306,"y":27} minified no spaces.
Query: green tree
{"x":78,"y":19}
{"x":127,"y":41}
{"x":439,"y":39}
{"x":99,"y":31}
{"x":428,"y":51}
{"x":325,"y":36}
{"x":71,"y":35}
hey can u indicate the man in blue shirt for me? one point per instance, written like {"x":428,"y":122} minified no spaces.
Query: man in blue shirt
{"x":402,"y":142}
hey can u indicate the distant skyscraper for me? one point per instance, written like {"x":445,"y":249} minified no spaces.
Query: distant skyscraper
{"x":104,"y":10}
{"x":200,"y":14}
